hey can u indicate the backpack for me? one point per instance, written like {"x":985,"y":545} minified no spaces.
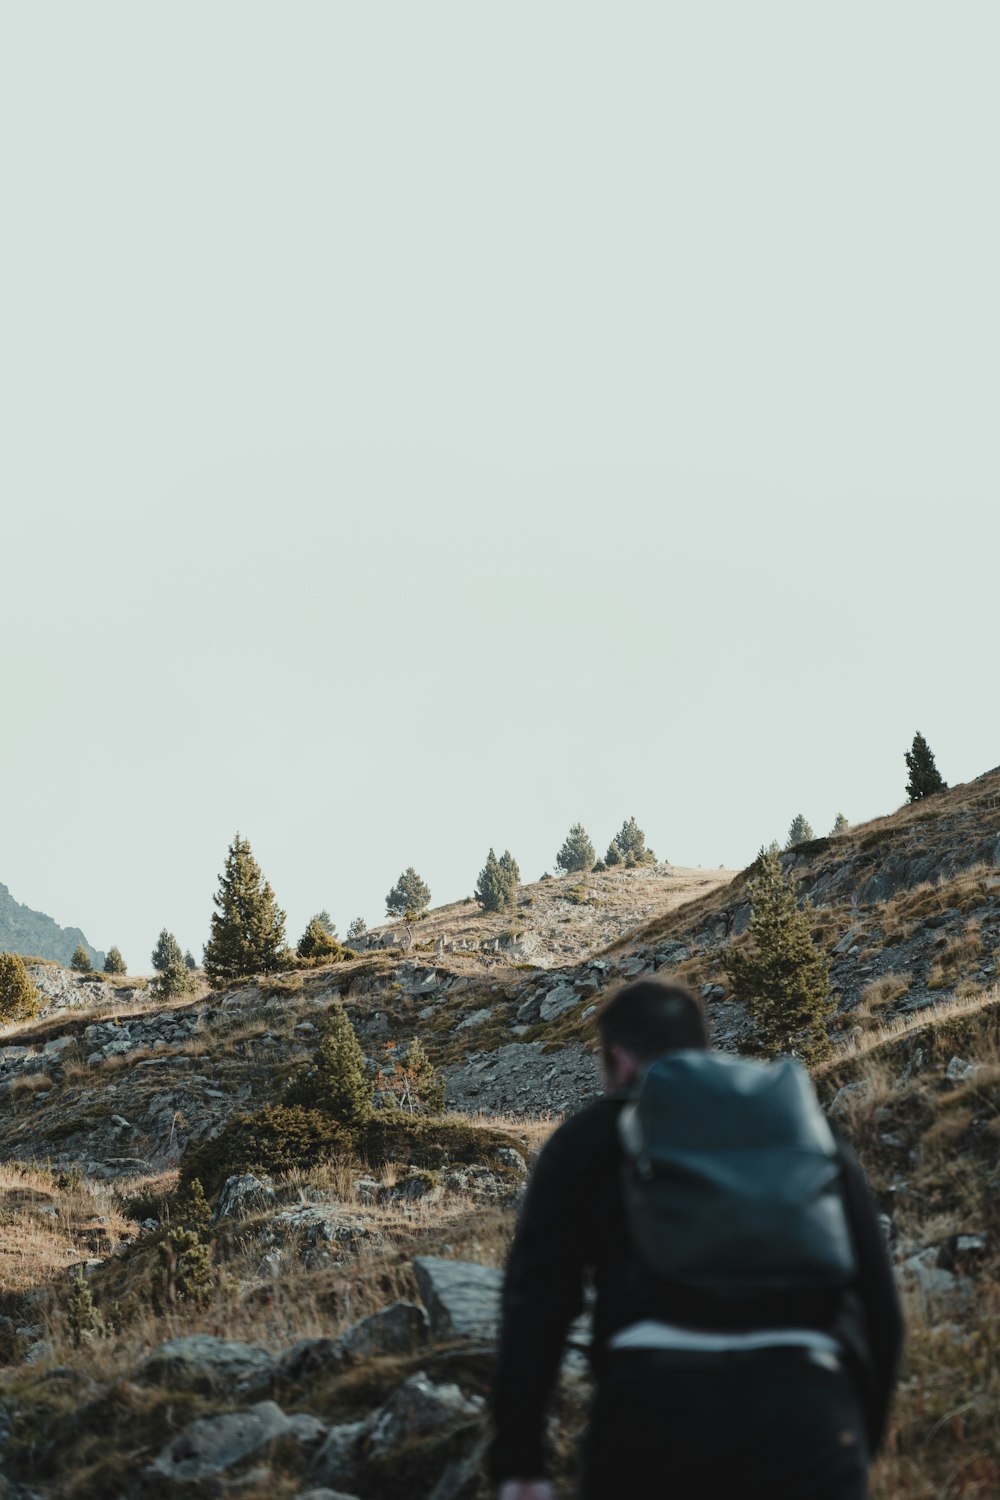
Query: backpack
{"x":731,"y":1178}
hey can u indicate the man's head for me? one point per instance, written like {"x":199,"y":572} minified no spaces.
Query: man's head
{"x":644,"y":1019}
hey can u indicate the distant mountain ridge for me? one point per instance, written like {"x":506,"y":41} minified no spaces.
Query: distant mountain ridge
{"x":32,"y":932}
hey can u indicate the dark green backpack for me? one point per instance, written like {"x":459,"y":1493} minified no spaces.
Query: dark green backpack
{"x":731,"y":1177}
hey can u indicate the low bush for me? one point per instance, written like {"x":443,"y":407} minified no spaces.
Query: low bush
{"x":432,"y":1144}
{"x":277,"y":1138}
{"x":282,"y":1137}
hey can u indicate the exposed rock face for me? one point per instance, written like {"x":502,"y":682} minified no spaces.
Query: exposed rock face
{"x":462,"y":1299}
{"x":217,"y":1445}
{"x":520,"y":1076}
{"x":203,"y":1362}
{"x":243,"y":1195}
{"x":400,"y":1328}
{"x":29,"y":932}
{"x":418,"y":1408}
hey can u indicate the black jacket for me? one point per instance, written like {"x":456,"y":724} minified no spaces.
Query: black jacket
{"x":573,"y":1232}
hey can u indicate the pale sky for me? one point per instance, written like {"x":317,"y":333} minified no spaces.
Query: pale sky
{"x":428,"y":425}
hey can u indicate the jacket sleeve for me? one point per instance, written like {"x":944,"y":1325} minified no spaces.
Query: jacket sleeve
{"x":880,"y":1311}
{"x":542,"y":1294}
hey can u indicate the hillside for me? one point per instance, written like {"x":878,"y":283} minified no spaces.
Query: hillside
{"x":31,"y":932}
{"x":343,"y":1333}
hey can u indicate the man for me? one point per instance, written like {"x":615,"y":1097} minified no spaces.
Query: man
{"x":781,"y":1394}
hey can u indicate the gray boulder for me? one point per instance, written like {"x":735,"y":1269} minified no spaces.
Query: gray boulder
{"x":419,"y":1408}
{"x":321,"y":1231}
{"x":243,"y":1195}
{"x":214,"y":1445}
{"x":557,"y":1001}
{"x":338,"y":1461}
{"x":398,"y":1329}
{"x":960,"y":1071}
{"x":203,"y":1362}
{"x":461,"y":1298}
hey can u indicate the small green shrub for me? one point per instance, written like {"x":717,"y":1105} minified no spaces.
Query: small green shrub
{"x":337,"y":1082}
{"x":276,"y":1138}
{"x":184,"y":1272}
{"x":410,"y":1080}
{"x":82,"y":1316}
{"x":432,"y":1144}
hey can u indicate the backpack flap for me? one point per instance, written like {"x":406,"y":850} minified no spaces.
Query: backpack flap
{"x":731,"y":1178}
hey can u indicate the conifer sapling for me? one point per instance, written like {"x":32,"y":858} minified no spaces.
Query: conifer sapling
{"x":925,"y":779}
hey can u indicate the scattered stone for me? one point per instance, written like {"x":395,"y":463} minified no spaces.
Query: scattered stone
{"x":338,"y":1461}
{"x":558,"y":1001}
{"x":242,"y":1195}
{"x":203,"y":1362}
{"x":850,"y":1091}
{"x":317,"y":1229}
{"x":511,"y":1158}
{"x":462,"y":1299}
{"x":924,"y":1270}
{"x":959,"y":1071}
{"x":58,"y":1046}
{"x":475,"y":1019}
{"x":214,"y":1445}
{"x":397,"y":1329}
{"x":637,"y":964}
{"x":959,"y":1249}
{"x":418,"y":1408}
{"x":669,"y":955}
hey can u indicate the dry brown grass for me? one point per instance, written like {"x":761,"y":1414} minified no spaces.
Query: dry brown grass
{"x":955,"y":957}
{"x":30,"y":1084}
{"x":857,"y":1048}
{"x":879,"y":994}
{"x":46,"y":1226}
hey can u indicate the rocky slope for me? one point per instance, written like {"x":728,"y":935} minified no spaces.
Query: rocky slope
{"x":344,"y":1341}
{"x":25,"y":931}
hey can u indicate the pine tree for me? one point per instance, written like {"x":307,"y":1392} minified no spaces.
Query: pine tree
{"x":318,"y":942}
{"x":174,"y":976}
{"x":800,"y":832}
{"x":577,"y":853}
{"x":114,"y":963}
{"x":192,"y":1211}
{"x":338,"y":1081}
{"x":81,"y":960}
{"x":630,"y":844}
{"x":18,"y":996}
{"x":248,"y":926}
{"x":326,"y":922}
{"x":840,"y":825}
{"x":409,"y":896}
{"x":496,"y":888}
{"x":167,"y":953}
{"x":82,"y":1316}
{"x":184,"y":1273}
{"x":925,"y":779}
{"x":357,"y":929}
{"x":190,"y":962}
{"x":780,"y":974}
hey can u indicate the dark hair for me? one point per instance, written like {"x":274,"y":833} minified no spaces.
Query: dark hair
{"x":648,"y":1017}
